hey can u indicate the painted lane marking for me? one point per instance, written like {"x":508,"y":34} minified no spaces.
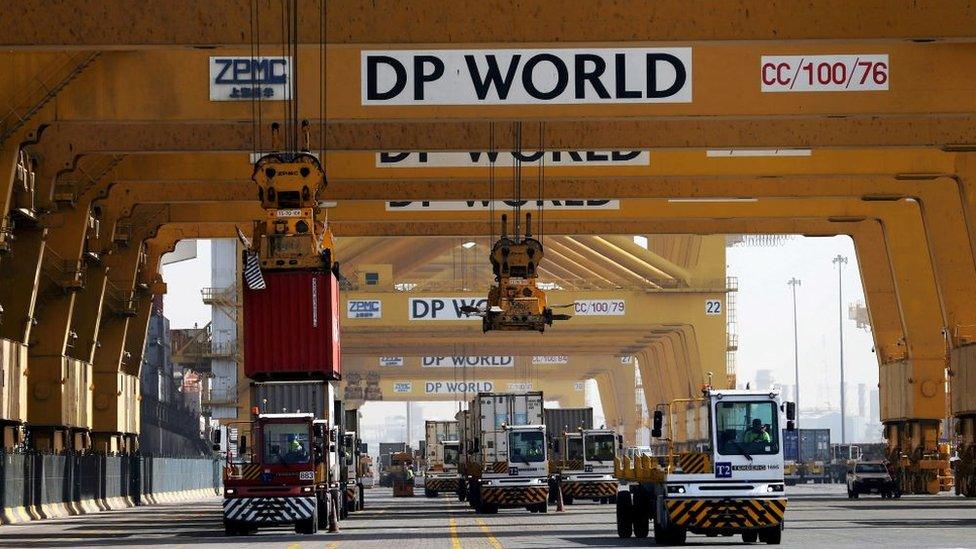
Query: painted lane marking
{"x":487,"y":532}
{"x":455,"y":540}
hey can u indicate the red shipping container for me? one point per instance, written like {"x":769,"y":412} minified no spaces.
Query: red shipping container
{"x":291,"y":328}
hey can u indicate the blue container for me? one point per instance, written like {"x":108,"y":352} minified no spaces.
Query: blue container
{"x":790,"y":445}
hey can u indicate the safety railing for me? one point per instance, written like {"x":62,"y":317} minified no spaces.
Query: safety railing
{"x":6,"y":233}
{"x":66,"y":274}
{"x":42,"y":88}
{"x":120,"y":298}
{"x":220,"y":296}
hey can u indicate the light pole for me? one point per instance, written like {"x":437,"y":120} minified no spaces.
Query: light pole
{"x":840,"y":261}
{"x":794,"y":282}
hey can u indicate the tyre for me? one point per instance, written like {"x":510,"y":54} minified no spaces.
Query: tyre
{"x":641,"y":514}
{"x":543,"y":507}
{"x":322,"y":508}
{"x":612,"y":499}
{"x":362,"y":497}
{"x":772,"y":535}
{"x":567,"y":499}
{"x":308,"y":526}
{"x":625,"y":521}
{"x":661,"y":534}
{"x":231,"y":529}
{"x":343,"y":506}
{"x":750,"y":537}
{"x":428,"y":493}
{"x":669,"y":535}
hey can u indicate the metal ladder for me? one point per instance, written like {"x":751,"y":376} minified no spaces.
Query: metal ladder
{"x":21,"y":113}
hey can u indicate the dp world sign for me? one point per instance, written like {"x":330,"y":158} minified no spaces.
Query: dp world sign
{"x":554,"y":76}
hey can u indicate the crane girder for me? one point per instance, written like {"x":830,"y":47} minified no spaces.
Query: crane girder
{"x":67,"y":139}
{"x":46,"y":26}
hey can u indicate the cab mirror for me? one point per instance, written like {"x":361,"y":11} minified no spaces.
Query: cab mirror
{"x":790,"y":425}
{"x":243,"y":445}
{"x":790,"y":411}
{"x":319,"y":430}
{"x":215,"y":437}
{"x":620,"y":442}
{"x":333,"y":436}
{"x":656,"y":430}
{"x":555,"y":446}
{"x":363,"y":448}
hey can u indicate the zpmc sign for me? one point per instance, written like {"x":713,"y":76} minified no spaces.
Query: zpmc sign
{"x":526,"y":76}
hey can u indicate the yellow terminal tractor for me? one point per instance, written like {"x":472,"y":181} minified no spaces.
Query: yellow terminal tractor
{"x":582,"y":458}
{"x":722,"y":472}
{"x":401,"y":469}
{"x":588,"y":470}
{"x":442,"y":449}
{"x":504,"y":463}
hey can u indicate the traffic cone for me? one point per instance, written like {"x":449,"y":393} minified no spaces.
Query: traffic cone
{"x":559,"y":499}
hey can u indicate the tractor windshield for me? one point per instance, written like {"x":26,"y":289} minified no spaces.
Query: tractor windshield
{"x":747,"y":428}
{"x":600,"y":447}
{"x":286,"y":443}
{"x":574,"y":447}
{"x":451,"y":454}
{"x":527,"y":446}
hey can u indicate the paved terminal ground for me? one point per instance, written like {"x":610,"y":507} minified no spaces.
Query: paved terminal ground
{"x":818,"y":516}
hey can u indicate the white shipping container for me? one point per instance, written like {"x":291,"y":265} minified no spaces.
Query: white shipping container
{"x":436,"y":432}
{"x":490,"y":411}
{"x":464,"y":434}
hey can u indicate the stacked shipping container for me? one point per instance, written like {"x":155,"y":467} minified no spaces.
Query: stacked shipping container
{"x":291,"y":328}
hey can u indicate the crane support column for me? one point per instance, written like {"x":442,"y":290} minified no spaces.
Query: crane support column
{"x":59,"y":403}
{"x":620,"y":410}
{"x":913,"y":389}
{"x":962,"y":371}
{"x":20,"y":261}
{"x":115,"y":399}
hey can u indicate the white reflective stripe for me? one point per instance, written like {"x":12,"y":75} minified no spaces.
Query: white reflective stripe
{"x":281,"y":509}
{"x":252,"y":271}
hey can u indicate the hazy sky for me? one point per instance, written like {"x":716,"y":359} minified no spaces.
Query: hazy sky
{"x":765,"y":307}
{"x":765,"y":314}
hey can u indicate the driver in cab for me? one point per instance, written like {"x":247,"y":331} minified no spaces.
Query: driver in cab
{"x":296,"y":450}
{"x":757,"y":433}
